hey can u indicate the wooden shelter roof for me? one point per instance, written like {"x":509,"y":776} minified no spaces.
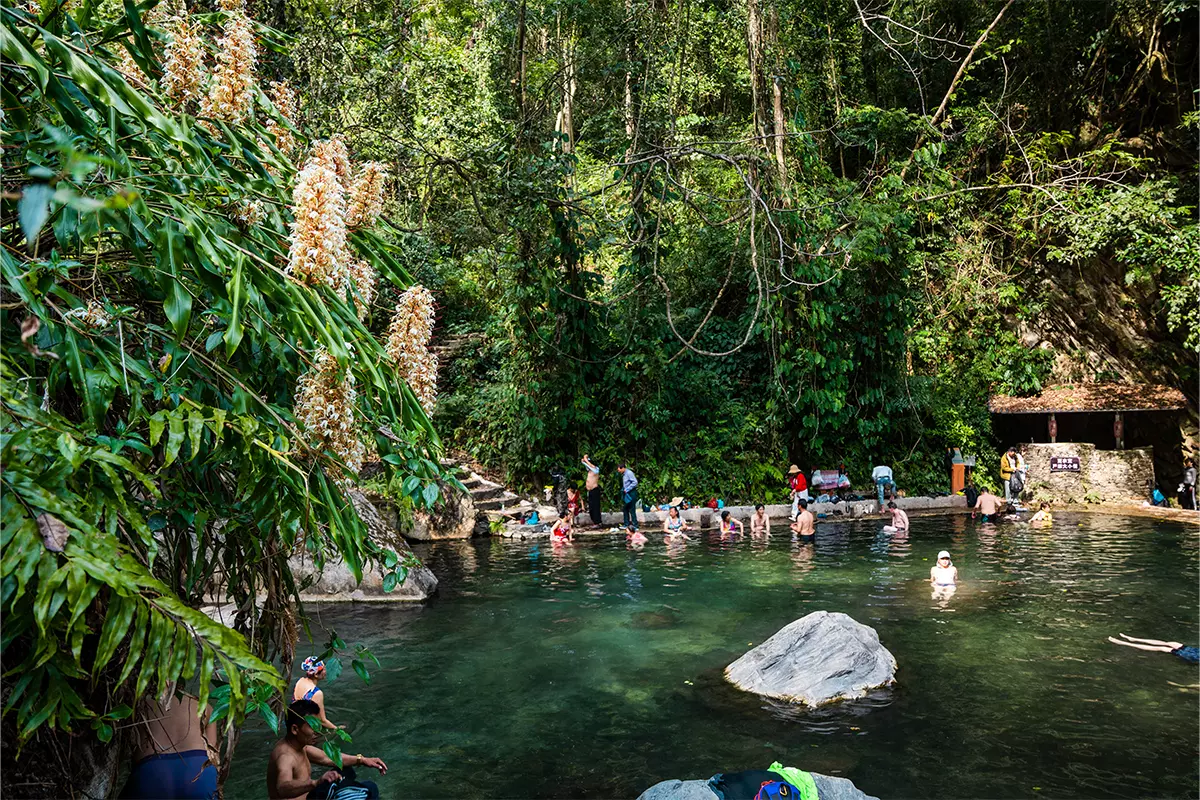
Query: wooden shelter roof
{"x":1083,"y":397}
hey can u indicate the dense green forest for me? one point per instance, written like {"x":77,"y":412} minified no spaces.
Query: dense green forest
{"x":706,"y":238}
{"x":715,"y":238}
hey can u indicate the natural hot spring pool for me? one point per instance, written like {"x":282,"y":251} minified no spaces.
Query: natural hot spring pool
{"x":597,"y":672}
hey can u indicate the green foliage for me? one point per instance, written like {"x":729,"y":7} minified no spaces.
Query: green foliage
{"x":151,"y":460}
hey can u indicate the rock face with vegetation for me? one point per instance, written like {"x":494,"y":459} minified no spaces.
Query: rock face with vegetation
{"x":454,"y":518}
{"x":334,"y":581}
{"x":818,"y":659}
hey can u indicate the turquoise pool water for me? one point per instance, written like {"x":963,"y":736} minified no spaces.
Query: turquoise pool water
{"x":596,"y":671}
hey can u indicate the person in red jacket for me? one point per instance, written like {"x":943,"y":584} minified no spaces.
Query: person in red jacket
{"x":799,"y":486}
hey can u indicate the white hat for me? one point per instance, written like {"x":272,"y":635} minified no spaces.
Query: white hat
{"x":943,"y":554}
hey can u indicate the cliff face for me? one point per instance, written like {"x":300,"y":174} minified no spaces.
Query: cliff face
{"x":1103,"y":329}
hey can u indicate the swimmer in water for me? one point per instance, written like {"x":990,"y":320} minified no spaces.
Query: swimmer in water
{"x":899,"y":519}
{"x":729,"y":524}
{"x":1189,"y":653}
{"x":674,"y":527}
{"x":634,"y":536}
{"x":1042,"y":517}
{"x":943,"y":576}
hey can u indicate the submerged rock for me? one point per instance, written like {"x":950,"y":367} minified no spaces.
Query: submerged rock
{"x":335,"y":582}
{"x":828,"y":788}
{"x":817,"y":659}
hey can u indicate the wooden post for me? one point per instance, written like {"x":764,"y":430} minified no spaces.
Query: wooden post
{"x":1119,"y":430}
{"x":1052,"y":428}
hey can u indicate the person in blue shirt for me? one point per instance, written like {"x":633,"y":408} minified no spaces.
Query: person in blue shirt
{"x":1189,"y":653}
{"x":629,"y":497}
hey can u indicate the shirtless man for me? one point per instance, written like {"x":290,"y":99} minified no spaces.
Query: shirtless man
{"x":592,"y":484}
{"x":176,"y":751}
{"x":289,"y":772}
{"x":760,"y":523}
{"x":988,"y":504}
{"x":803,"y":526}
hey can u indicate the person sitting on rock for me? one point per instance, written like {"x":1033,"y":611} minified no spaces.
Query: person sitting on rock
{"x":1189,"y":653}
{"x":307,"y":689}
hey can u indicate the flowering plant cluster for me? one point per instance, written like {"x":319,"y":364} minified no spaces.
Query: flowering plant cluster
{"x":408,"y":344}
{"x":325,"y":407}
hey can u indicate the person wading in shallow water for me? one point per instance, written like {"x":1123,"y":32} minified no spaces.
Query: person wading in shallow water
{"x":289,"y":771}
{"x":803,"y":526}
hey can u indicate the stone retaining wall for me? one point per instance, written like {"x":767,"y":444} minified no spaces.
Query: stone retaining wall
{"x":707,"y":518}
{"x":1109,"y":476}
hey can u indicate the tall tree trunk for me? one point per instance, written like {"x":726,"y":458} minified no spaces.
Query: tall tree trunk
{"x":754,"y":61}
{"x":835,"y":89}
{"x":780,"y":133}
{"x":630,"y":50}
{"x":521,"y":36}
{"x":564,"y":124}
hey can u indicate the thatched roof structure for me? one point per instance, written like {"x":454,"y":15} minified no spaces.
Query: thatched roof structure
{"x":1082,"y":397}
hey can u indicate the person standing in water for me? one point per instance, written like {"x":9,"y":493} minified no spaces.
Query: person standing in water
{"x":592,"y":484}
{"x":307,"y":688}
{"x":944,"y":574}
{"x":804,"y":526}
{"x":629,"y":496}
{"x":987,"y":504}
{"x":760,"y":523}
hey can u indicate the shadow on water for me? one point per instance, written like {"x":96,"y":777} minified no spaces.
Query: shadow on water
{"x":595,"y":670}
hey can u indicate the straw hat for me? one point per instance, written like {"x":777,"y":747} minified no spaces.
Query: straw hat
{"x":793,"y":469}
{"x":675,"y":501}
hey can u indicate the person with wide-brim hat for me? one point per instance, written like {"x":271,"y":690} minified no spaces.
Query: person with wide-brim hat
{"x":799,"y":486}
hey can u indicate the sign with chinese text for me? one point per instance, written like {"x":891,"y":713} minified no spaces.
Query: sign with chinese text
{"x":1064,"y":464}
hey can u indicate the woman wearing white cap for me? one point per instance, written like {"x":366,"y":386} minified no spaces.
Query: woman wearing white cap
{"x":943,"y":575}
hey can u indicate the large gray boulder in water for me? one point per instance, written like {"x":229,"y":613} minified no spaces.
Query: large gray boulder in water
{"x":828,"y":788}
{"x":817,"y":659}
